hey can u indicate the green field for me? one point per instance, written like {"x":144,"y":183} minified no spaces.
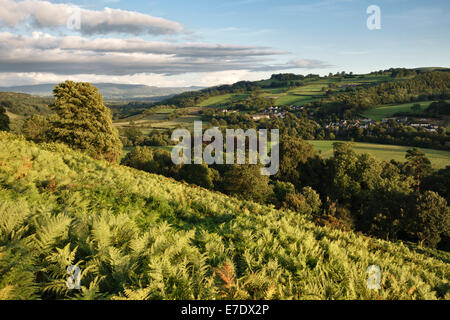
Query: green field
{"x":312,"y":90}
{"x":222,"y":99}
{"x":159,"y":120}
{"x":439,"y":158}
{"x":380,"y":112}
{"x":165,"y":110}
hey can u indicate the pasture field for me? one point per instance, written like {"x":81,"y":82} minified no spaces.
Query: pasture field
{"x":439,"y":158}
{"x":223,"y":98}
{"x":387,"y":111}
{"x":299,"y":96}
{"x":160,"y":121}
{"x":165,"y":110}
{"x":186,"y":121}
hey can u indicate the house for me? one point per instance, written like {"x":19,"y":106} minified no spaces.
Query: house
{"x":260,"y":116}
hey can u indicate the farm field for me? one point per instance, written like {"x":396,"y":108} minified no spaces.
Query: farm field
{"x":159,"y":120}
{"x":439,"y":158}
{"x":380,"y":112}
{"x":299,"y":96}
{"x":221,"y":99}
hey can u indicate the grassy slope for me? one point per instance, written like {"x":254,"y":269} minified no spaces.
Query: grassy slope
{"x":439,"y":158}
{"x":146,"y":236}
{"x":300,"y":95}
{"x":222,"y":99}
{"x":25,"y":104}
{"x":380,"y":112}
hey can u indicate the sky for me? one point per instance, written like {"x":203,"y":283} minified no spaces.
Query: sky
{"x":180,"y":43}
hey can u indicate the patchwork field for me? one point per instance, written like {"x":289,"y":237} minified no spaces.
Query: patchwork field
{"x":380,"y":112}
{"x":160,"y":120}
{"x":299,"y":96}
{"x":439,"y":158}
{"x":222,"y":99}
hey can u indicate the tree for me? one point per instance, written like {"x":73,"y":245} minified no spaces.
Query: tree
{"x":307,"y":202}
{"x":416,"y":107}
{"x":132,"y":133}
{"x":151,"y":160}
{"x":36,"y":128}
{"x":439,"y":182}
{"x":198,"y":174}
{"x":4,"y":119}
{"x":417,"y":165}
{"x":162,"y":164}
{"x":281,"y":190}
{"x":246,"y":182}
{"x":84,"y":122}
{"x":138,"y":158}
{"x":293,"y":154}
{"x":429,"y":219}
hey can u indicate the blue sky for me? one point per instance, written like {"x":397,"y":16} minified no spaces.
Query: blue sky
{"x":264,"y":36}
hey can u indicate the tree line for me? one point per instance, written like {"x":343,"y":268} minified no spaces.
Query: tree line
{"x":427,"y":86}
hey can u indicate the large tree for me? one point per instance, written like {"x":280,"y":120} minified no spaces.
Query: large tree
{"x":4,"y":119}
{"x":199,"y":174}
{"x":246,"y":182}
{"x":294,"y":154}
{"x":35,"y":128}
{"x":429,"y":219}
{"x":417,"y":165}
{"x":157,"y":161}
{"x":84,"y":122}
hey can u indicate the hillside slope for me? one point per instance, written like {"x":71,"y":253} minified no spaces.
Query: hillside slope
{"x":138,"y":235}
{"x":21,"y":104}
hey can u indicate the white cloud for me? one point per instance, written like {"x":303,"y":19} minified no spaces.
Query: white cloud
{"x":44,"y":14}
{"x":204,"y":79}
{"x":42,"y":41}
{"x":308,"y":63}
{"x":75,"y":55}
{"x":44,"y":57}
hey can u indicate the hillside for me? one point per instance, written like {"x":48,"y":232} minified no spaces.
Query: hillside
{"x":22,"y":104}
{"x":326,"y":95}
{"x":284,"y":89}
{"x":138,"y":235}
{"x":108,"y":90}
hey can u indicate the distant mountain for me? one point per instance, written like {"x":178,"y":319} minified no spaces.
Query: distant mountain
{"x":108,"y":90}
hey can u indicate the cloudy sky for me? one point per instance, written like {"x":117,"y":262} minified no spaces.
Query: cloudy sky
{"x":209,"y":42}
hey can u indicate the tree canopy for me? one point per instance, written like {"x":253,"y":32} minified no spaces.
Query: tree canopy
{"x":4,"y":119}
{"x":84,"y":122}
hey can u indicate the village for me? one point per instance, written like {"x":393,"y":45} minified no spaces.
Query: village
{"x":428,"y":125}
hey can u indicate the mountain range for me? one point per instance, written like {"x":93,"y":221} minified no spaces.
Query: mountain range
{"x":108,"y":90}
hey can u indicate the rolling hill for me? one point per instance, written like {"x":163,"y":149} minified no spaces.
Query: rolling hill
{"x":108,"y":90}
{"x":142,"y":236}
{"x":386,"y":111}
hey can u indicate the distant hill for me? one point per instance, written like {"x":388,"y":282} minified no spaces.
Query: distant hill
{"x":22,"y":104}
{"x":108,"y":90}
{"x":287,"y":89}
{"x":428,"y":69}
